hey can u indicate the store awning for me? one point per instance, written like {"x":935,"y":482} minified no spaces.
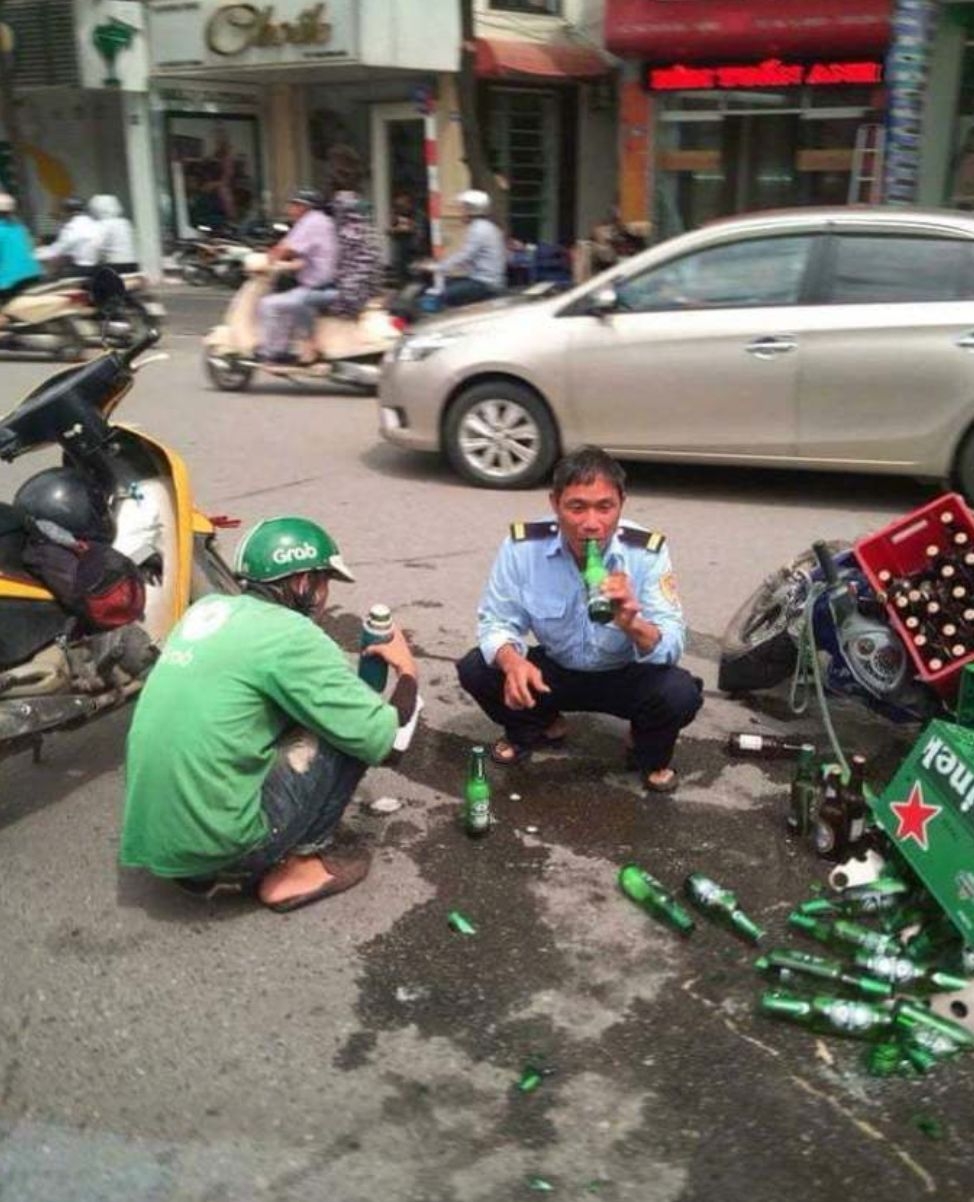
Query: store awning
{"x":702,"y":30}
{"x":502,"y":58}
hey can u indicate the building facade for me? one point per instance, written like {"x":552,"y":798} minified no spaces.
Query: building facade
{"x":727,"y":108}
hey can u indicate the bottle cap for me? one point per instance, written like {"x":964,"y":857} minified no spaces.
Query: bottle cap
{"x":380,"y":617}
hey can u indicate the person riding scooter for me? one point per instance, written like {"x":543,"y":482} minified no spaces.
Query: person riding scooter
{"x":476,"y":272}
{"x":19,"y":268}
{"x":311,"y":247}
{"x":76,"y":249}
{"x":117,"y":245}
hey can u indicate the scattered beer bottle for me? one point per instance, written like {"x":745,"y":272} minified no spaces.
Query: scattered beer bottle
{"x":801,"y":963}
{"x":646,"y":891}
{"x":804,"y":792}
{"x":831,"y":827}
{"x":744,"y":745}
{"x":476,"y":803}
{"x":901,"y":970}
{"x":914,"y":1017}
{"x":713,"y":899}
{"x":594,"y":572}
{"x":844,"y":1016}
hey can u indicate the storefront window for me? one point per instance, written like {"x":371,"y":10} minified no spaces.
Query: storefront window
{"x":214,"y":168}
{"x":754,"y":150}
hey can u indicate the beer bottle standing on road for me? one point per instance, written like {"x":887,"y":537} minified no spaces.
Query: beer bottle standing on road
{"x":853,"y":795}
{"x":804,"y":792}
{"x":593,"y":573}
{"x":646,"y":891}
{"x":476,"y":795}
{"x":744,"y":745}
{"x":831,"y":832}
{"x":377,"y":628}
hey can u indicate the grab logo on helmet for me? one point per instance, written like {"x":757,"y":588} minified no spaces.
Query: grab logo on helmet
{"x":285,"y":555}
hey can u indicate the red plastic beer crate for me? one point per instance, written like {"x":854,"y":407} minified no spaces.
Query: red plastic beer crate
{"x":901,"y":547}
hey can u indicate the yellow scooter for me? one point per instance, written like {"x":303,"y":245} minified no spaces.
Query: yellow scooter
{"x":56,"y":671}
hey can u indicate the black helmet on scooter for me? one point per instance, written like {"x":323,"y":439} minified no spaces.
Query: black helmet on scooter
{"x":62,"y":495}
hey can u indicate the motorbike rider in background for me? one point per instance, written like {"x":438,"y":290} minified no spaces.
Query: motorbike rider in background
{"x":19,"y":267}
{"x":311,"y":246}
{"x":117,"y":246}
{"x":76,"y":249}
{"x":478,"y":270}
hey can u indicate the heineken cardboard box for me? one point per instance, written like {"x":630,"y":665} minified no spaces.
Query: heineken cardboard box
{"x":928,"y":812}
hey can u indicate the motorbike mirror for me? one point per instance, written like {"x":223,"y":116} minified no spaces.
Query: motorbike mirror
{"x":106,"y":286}
{"x":280,"y":227}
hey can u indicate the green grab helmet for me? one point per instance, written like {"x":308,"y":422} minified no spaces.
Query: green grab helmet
{"x":279,"y":547}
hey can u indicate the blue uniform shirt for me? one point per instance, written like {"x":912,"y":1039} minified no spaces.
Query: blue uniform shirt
{"x":536,"y":587}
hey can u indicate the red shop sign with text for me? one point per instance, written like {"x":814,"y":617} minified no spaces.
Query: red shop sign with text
{"x":772,"y":73}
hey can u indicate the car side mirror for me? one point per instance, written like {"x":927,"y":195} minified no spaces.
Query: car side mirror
{"x":604,"y":302}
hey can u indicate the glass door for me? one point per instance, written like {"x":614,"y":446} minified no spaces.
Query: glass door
{"x":401,"y":184}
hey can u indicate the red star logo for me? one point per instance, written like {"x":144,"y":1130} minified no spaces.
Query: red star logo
{"x":913,"y":815}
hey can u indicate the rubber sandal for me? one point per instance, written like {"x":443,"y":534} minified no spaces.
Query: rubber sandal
{"x":518,"y":754}
{"x":668,"y":786}
{"x":346,"y":869}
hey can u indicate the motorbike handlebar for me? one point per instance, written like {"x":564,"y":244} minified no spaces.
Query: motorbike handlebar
{"x":149,"y":338}
{"x":826,"y":562}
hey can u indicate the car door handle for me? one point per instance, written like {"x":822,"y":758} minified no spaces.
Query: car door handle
{"x":768,"y":348}
{"x":966,"y":341}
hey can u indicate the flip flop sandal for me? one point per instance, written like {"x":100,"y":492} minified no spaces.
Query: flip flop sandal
{"x":520,"y":753}
{"x":669,"y":785}
{"x":346,"y":870}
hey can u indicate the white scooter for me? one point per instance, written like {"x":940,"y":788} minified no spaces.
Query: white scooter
{"x":342,"y":350}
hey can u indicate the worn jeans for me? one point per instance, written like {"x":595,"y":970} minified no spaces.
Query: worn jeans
{"x":303,"y":799}
{"x":281,"y":315}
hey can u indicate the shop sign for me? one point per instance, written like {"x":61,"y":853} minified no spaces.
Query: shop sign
{"x":223,"y":33}
{"x":772,"y":73}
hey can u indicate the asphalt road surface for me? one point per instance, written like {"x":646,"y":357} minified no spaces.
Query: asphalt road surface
{"x":159,"y":1049}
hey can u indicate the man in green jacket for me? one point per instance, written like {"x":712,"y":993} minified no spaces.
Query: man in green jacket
{"x":252,"y":731}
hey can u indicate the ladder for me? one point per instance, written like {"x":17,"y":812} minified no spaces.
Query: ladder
{"x":866,"y":176}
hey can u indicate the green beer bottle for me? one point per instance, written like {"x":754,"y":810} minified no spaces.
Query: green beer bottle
{"x":844,"y":1016}
{"x":476,"y":804}
{"x":593,"y":573}
{"x":913,"y":1017}
{"x":648,"y":892}
{"x":713,"y":899}
{"x":804,"y":792}
{"x":901,"y":970}
{"x":793,"y":962}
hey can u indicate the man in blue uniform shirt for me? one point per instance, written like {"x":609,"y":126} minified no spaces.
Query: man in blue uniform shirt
{"x":627,"y":668}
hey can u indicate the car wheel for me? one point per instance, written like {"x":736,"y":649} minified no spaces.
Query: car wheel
{"x":228,"y":373}
{"x":962,"y":476}
{"x":500,"y":435}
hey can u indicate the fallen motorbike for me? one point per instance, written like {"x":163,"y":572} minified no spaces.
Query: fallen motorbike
{"x":818,"y":618}
{"x":59,"y":671}
{"x":341,"y":350}
{"x":59,"y":319}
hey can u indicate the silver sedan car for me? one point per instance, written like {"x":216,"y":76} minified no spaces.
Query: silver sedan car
{"x":837,"y":339}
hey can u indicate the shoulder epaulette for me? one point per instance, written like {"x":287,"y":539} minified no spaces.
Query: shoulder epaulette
{"x":522,"y":531}
{"x":649,"y":540}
